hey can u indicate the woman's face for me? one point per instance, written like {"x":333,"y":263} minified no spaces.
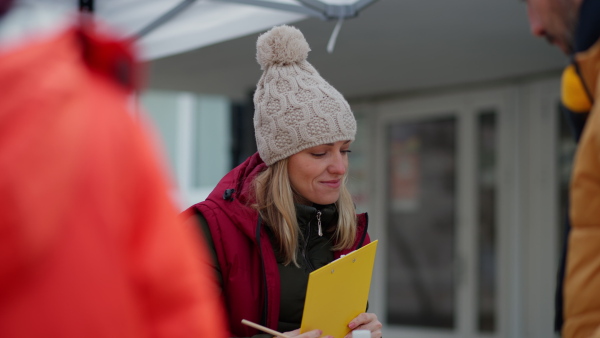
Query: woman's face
{"x":317,"y":173}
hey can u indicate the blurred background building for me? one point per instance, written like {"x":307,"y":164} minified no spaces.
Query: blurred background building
{"x":462,"y":158}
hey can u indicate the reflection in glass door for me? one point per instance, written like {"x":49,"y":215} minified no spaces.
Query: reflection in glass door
{"x":421,"y":216}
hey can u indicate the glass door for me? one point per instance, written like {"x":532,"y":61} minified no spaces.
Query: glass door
{"x":438,"y":204}
{"x":421,"y":213}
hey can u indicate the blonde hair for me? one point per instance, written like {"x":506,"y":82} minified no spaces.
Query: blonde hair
{"x":275,"y":204}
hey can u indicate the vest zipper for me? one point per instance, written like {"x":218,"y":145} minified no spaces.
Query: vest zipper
{"x":307,"y":237}
{"x":319,"y":223}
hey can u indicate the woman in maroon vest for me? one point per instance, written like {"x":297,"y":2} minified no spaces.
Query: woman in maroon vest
{"x":286,"y":210}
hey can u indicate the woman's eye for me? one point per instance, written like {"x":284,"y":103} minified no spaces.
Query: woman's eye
{"x":346,"y":151}
{"x":317,"y":154}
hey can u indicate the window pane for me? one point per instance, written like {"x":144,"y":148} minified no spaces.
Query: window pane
{"x":486,"y":197}
{"x":421,"y":223}
{"x":211,"y":149}
{"x":162,"y":109}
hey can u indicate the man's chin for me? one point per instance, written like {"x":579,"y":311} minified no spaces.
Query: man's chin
{"x":564,"y":47}
{"x":567,"y":49}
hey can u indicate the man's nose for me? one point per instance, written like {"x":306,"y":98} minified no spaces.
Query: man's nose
{"x":537,"y":30}
{"x":535,"y":25}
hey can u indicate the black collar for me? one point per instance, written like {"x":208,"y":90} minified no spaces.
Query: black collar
{"x":306,"y":214}
{"x":587,"y":31}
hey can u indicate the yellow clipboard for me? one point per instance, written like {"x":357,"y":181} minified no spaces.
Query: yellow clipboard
{"x":338,"y":292}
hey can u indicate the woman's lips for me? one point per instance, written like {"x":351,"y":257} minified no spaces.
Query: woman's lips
{"x":332,"y":183}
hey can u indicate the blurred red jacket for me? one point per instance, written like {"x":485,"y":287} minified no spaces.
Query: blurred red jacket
{"x":89,"y":241}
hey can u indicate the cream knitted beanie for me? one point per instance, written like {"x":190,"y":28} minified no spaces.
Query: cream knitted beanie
{"x":295,"y":108}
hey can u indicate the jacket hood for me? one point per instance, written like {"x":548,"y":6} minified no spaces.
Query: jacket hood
{"x":235,"y":189}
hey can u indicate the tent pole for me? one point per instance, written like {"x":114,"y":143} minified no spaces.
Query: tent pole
{"x":163,"y":18}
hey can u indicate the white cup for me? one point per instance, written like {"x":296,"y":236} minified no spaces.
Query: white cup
{"x":361,"y":334}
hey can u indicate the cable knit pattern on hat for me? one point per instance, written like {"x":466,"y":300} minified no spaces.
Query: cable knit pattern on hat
{"x":295,"y":108}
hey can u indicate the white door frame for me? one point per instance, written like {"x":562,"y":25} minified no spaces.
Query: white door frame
{"x":540,"y":213}
{"x":465,"y":107}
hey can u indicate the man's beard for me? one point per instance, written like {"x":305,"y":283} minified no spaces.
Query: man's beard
{"x":570,"y":16}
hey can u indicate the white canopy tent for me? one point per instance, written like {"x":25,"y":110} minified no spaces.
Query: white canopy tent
{"x":202,"y":23}
{"x":172,"y":27}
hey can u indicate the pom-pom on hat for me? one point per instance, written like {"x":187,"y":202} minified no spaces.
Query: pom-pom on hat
{"x":295,"y":108}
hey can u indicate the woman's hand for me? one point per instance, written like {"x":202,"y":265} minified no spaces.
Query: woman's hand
{"x":309,"y":334}
{"x":365,"y":321}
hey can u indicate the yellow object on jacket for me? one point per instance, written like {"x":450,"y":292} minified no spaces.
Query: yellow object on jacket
{"x":582,"y":278}
{"x":573,"y":93}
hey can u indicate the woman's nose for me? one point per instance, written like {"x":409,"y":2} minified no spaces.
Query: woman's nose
{"x":338,"y":164}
